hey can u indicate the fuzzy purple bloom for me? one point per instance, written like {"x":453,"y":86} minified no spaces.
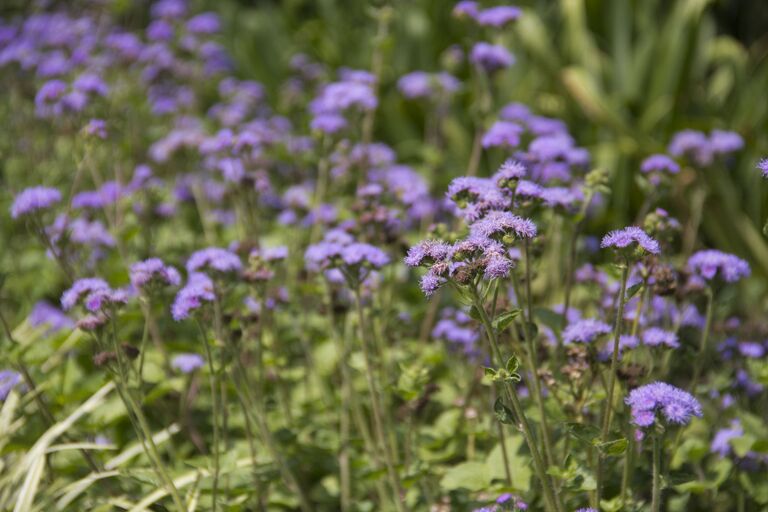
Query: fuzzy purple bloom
{"x":9,"y":379}
{"x":34,"y":199}
{"x":491,"y":57}
{"x":585,"y":331}
{"x":677,"y":406}
{"x":82,"y":288}
{"x":497,"y":224}
{"x":710,"y":263}
{"x":762,"y":165}
{"x":214,"y":258}
{"x":46,"y":314}
{"x":153,"y":270}
{"x":198,"y":290}
{"x":721,"y":443}
{"x":187,"y":362}
{"x":427,"y":252}
{"x":502,"y":134}
{"x":497,"y":16}
{"x":722,"y":141}
{"x":659,"y":163}
{"x":655,"y":336}
{"x":624,"y":238}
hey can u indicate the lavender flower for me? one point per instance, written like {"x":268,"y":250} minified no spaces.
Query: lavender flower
{"x":34,"y":199}
{"x":497,"y":16}
{"x":502,"y":134}
{"x":721,"y":443}
{"x":427,"y":252}
{"x":198,"y":290}
{"x":722,"y":141}
{"x":8,"y":380}
{"x":187,"y":362}
{"x":509,"y":174}
{"x":214,"y":258}
{"x":585,"y":331}
{"x":659,"y":163}
{"x":45,"y":314}
{"x":491,"y":57}
{"x":498,"y":225}
{"x":677,"y":406}
{"x":710,"y":263}
{"x":762,"y":165}
{"x":628,"y":237}
{"x":655,"y":336}
{"x":153,"y":271}
{"x":82,"y":288}
{"x":420,"y":84}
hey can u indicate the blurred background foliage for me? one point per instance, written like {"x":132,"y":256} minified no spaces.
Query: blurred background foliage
{"x":623,"y":74}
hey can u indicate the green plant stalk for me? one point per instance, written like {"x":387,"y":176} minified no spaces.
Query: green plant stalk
{"x":344,"y":417}
{"x":612,"y":376}
{"x":147,"y":310}
{"x":258,"y":415}
{"x":378,"y":414}
{"x":144,"y":431}
{"x":548,"y":453}
{"x":656,"y":484}
{"x":214,"y":385}
{"x":627,"y":469}
{"x":538,"y":464}
{"x":703,"y":339}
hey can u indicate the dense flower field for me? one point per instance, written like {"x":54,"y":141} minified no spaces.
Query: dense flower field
{"x":224,"y":295}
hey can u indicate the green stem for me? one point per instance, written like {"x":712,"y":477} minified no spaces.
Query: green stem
{"x":612,"y":376}
{"x":378,"y":414}
{"x":214,"y":385}
{"x":656,"y":485}
{"x":538,"y":464}
{"x":703,"y":340}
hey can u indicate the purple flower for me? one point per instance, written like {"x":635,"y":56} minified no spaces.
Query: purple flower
{"x":214,"y":258}
{"x":722,"y":141}
{"x":466,"y":8}
{"x":628,"y":342}
{"x":329,"y":123}
{"x":99,"y":299}
{"x":502,"y":134}
{"x":491,"y":57}
{"x":96,"y":128}
{"x":627,"y":237}
{"x":91,"y":84}
{"x":80,"y":288}
{"x":587,"y":509}
{"x":659,"y":163}
{"x":497,"y":225}
{"x":199,"y":289}
{"x":205,"y":23}
{"x":420,"y":84}
{"x":585,"y":331}
{"x":187,"y":362}
{"x":8,"y":380}
{"x":751,"y":349}
{"x":655,"y":336}
{"x":430,"y":283}
{"x":508,"y":174}
{"x":721,"y":443}
{"x":276,"y":253}
{"x":710,"y":263}
{"x":677,"y":406}
{"x":34,"y":199}
{"x":497,"y":16}
{"x":153,"y":270}
{"x":364,"y":254}
{"x":427,"y":252}
{"x":46,"y":314}
{"x":340,"y":96}
{"x":762,"y":165}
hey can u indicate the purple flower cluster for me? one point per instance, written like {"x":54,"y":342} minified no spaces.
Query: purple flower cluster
{"x":585,"y":331}
{"x":33,"y":200}
{"x":9,"y":379}
{"x":198,"y":290}
{"x":491,"y":57}
{"x":703,"y":149}
{"x":94,"y":293}
{"x":710,"y":263}
{"x":420,"y":84}
{"x":153,"y":270}
{"x":629,"y":238}
{"x":675,"y":405}
{"x":495,"y":17}
{"x":187,"y":362}
{"x":656,"y":337}
{"x":214,"y":259}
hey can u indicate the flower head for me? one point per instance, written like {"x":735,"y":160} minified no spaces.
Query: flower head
{"x":676,"y":406}
{"x":491,"y":57}
{"x":721,"y":443}
{"x":655,"y":336}
{"x":499,"y":225}
{"x":82,"y":288}
{"x":197,"y":291}
{"x":9,"y":379}
{"x":187,"y":362}
{"x":659,"y":163}
{"x":153,"y":270}
{"x":585,"y":331}
{"x":34,"y":199}
{"x":628,"y":238}
{"x":214,"y":258}
{"x":762,"y":165}
{"x":710,"y":263}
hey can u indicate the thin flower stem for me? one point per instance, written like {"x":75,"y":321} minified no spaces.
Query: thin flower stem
{"x":626,"y":474}
{"x":214,"y":385}
{"x":378,"y":414}
{"x":538,"y":464}
{"x":703,"y":339}
{"x":656,"y":485}
{"x":612,"y":376}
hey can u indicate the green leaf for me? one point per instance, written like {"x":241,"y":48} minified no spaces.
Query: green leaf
{"x":504,"y":320}
{"x":472,"y":476}
{"x":586,"y":433}
{"x":512,"y":364}
{"x":614,"y":448}
{"x":742,"y":445}
{"x":632,"y":291}
{"x":489,"y":372}
{"x":519,"y":464}
{"x":554,"y":321}
{"x":503,"y":413}
{"x":474,"y":313}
